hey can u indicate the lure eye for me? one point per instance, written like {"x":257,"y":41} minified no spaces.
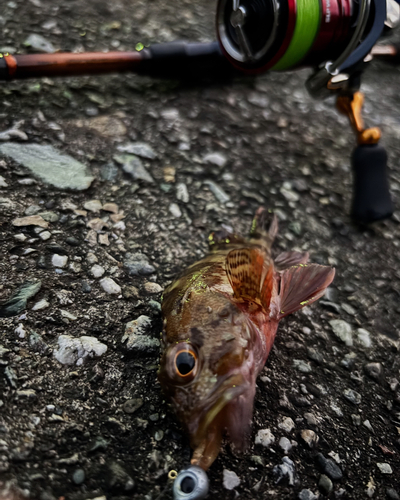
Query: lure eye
{"x":185,"y":362}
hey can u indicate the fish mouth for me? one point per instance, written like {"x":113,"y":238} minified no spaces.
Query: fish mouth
{"x":227,"y":391}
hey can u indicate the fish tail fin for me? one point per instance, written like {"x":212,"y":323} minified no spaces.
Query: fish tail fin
{"x":302,"y":285}
{"x":264,"y":227}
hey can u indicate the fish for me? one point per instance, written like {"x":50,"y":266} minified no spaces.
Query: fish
{"x":220,"y":320}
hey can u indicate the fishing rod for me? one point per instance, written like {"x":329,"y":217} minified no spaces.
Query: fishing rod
{"x":335,"y":37}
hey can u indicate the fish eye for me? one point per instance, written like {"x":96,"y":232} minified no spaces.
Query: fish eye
{"x":185,"y":362}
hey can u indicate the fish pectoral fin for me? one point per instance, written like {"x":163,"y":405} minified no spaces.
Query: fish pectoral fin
{"x":289,"y":259}
{"x":302,"y":285}
{"x":250,"y":272}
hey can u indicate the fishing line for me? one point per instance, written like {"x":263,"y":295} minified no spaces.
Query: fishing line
{"x":307,"y":25}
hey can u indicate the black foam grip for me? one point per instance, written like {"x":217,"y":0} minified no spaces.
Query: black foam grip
{"x":371,"y":196}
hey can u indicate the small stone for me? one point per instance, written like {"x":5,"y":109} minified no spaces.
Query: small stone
{"x":288,"y":194}
{"x":49,"y":216}
{"x":72,"y":241}
{"x":356,"y":419}
{"x":364,"y":337}
{"x":103,"y":239}
{"x":59,"y":260}
{"x":136,"y":338}
{"x":3,"y":182}
{"x":342,"y":330}
{"x":110,"y":207}
{"x":45,"y":235}
{"x":182,"y":192}
{"x":37,"y":343}
{"x":347,"y":307}
{"x":97,"y":271}
{"x":139,"y":149}
{"x":325,"y":484}
{"x":133,"y":166}
{"x":130,"y":292}
{"x":75,"y":350}
{"x":51,"y":166}
{"x":42,"y":304}
{"x":86,"y":288}
{"x":217,"y":159}
{"x":17,"y":302}
{"x":309,"y":437}
{"x":20,"y":237}
{"x":56,"y":248}
{"x":352,"y":396}
{"x":68,"y":315}
{"x":109,"y":172}
{"x":137,"y":264}
{"x":329,"y":467}
{"x":285,"y":472}
{"x":307,"y":495}
{"x":32,"y":220}
{"x":373,"y":370}
{"x":286,"y":424}
{"x":169,"y":174}
{"x":302,"y":366}
{"x":78,"y":477}
{"x":39,"y":44}
{"x":230,"y":479}
{"x":93,"y":205}
{"x":152,"y":288}
{"x":91,"y":258}
{"x":265,"y":438}
{"x":285,"y":444}
{"x":32,"y":210}
{"x":217,"y":191}
{"x":132,"y":405}
{"x":109,"y":286}
{"x":385,"y":468}
{"x":97,"y":224}
{"x":175,"y":210}
{"x":159,"y":434}
{"x":392,"y":494}
{"x":155,"y":305}
{"x":20,"y":331}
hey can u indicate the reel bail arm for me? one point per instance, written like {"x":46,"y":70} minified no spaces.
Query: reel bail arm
{"x":371,"y":195}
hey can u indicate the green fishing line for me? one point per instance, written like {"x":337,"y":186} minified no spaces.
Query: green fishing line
{"x":307,"y":25}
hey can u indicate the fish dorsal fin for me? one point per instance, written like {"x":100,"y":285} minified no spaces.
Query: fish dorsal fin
{"x":289,"y":259}
{"x":302,"y":285}
{"x":250,"y":272}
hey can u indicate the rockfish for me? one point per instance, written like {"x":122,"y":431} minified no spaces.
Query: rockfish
{"x":220,"y":321}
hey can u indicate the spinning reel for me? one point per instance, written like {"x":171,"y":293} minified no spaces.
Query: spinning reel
{"x":335,"y":37}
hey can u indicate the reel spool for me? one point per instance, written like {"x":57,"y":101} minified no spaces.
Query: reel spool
{"x":333,"y":35}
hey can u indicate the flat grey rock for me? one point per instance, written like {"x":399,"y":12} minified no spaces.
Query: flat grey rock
{"x":49,"y":165}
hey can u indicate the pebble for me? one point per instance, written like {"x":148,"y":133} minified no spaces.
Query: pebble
{"x":45,"y":235}
{"x":130,"y":292}
{"x":329,"y":467}
{"x":159,"y":434}
{"x":109,"y":172}
{"x":37,"y":343}
{"x":78,"y":477}
{"x":385,"y":468}
{"x":49,"y":216}
{"x":315,"y":355}
{"x":75,"y":350}
{"x":136,"y":338}
{"x":217,"y":191}
{"x":111,"y":207}
{"x":285,"y":444}
{"x":31,"y":220}
{"x":68,"y":315}
{"x":3,"y":182}
{"x":368,"y":425}
{"x":97,"y":271}
{"x":373,"y":370}
{"x":285,"y":472}
{"x":152,"y":288}
{"x":217,"y":159}
{"x":59,"y":261}
{"x":265,"y":437}
{"x":91,"y":258}
{"x":39,"y":44}
{"x":20,"y":237}
{"x":175,"y":210}
{"x":347,"y":307}
{"x":307,"y":495}
{"x":133,"y":166}
{"x":302,"y":366}
{"x":109,"y":286}
{"x":325,"y":484}
{"x":342,"y":330}
{"x":50,"y":165}
{"x":230,"y":479}
{"x":139,"y":149}
{"x":392,"y":494}
{"x":93,"y":205}
{"x":137,"y":264}
{"x":20,"y":331}
{"x":352,"y":396}
{"x":182,"y":192}
{"x":363,"y":337}
{"x":17,"y":302}
{"x":32,"y":210}
{"x":42,"y":304}
{"x":155,"y":305}
{"x":132,"y":405}
{"x":309,"y":437}
{"x":86,"y":288}
{"x":288,"y":194}
{"x":286,"y":424}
